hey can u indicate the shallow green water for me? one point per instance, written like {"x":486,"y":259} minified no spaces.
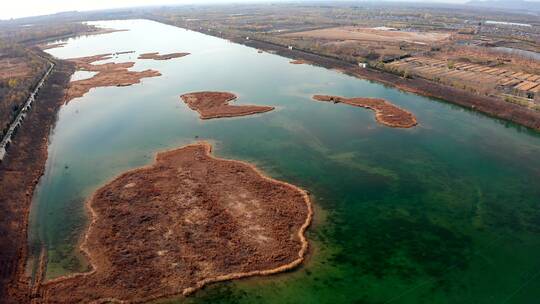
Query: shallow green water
{"x":447,"y":212}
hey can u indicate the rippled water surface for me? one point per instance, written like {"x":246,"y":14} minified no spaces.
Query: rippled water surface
{"x":447,"y":212}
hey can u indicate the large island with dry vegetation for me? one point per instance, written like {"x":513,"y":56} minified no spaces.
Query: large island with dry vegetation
{"x":187,"y":220}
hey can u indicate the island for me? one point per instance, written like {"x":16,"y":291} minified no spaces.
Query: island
{"x":216,"y":105}
{"x":157,"y":56}
{"x":385,"y":112}
{"x":47,"y":46}
{"x":187,"y":220}
{"x":108,"y":74}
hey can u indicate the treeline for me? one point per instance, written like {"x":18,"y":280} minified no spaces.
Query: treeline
{"x":35,"y":33}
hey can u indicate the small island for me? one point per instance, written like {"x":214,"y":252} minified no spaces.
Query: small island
{"x":108,"y":74}
{"x":216,"y":105}
{"x":157,"y":56}
{"x":48,"y":46}
{"x":385,"y":112}
{"x":185,"y":221}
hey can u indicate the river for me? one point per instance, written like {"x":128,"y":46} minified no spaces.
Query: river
{"x":446,"y":212}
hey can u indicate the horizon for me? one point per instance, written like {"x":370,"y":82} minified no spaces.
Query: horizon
{"x":33,"y":8}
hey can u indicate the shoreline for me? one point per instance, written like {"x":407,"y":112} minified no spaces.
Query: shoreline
{"x":39,"y":43}
{"x":302,"y":253}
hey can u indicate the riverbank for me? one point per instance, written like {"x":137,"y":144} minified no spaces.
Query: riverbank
{"x":57,"y":40}
{"x":20,"y":172}
{"x":225,"y":220}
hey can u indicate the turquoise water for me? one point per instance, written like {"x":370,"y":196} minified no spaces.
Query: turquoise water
{"x":447,"y":212}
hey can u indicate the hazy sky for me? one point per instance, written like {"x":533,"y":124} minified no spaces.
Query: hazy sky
{"x":22,"y":8}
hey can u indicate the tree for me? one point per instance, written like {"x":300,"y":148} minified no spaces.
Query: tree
{"x":13,"y":82}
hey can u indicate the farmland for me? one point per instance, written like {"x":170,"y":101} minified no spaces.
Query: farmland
{"x":382,"y":34}
{"x":477,"y":78}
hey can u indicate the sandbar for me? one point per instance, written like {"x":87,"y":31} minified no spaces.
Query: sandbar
{"x":216,"y":105}
{"x":385,"y":112}
{"x":157,"y":56}
{"x":185,"y":221}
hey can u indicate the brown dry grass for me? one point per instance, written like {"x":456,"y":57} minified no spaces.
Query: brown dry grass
{"x":109,"y":74}
{"x":216,"y":105}
{"x":17,"y":67}
{"x":157,"y":56}
{"x":187,"y":220}
{"x":385,"y":112}
{"x":368,"y":34}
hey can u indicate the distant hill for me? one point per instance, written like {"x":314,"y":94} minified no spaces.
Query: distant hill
{"x":507,"y":4}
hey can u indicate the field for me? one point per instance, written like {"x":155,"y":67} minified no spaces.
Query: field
{"x":371,"y":34}
{"x":479,"y":78}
